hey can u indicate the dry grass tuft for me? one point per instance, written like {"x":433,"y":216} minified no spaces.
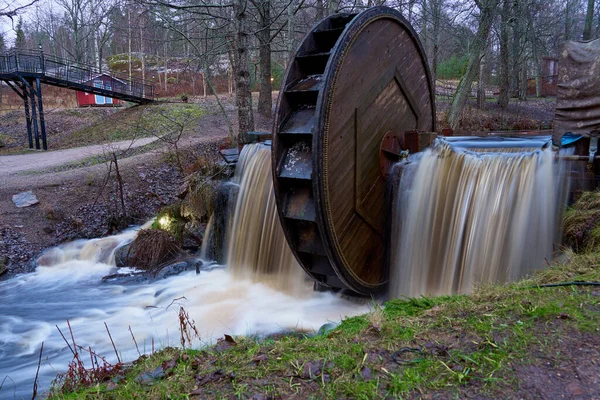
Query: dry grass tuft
{"x":582,"y":222}
{"x":151,"y":248}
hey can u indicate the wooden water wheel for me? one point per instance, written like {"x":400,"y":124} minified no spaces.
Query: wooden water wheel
{"x":353,"y":79}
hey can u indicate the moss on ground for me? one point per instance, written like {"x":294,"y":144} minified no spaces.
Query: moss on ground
{"x":449,"y":346}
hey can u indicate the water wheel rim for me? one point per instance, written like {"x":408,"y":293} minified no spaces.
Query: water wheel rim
{"x":320,"y":150}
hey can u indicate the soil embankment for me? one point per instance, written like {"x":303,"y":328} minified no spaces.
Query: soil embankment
{"x":73,"y":190}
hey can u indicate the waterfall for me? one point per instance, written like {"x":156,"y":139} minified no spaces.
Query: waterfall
{"x":256,"y":244}
{"x":464,"y":217}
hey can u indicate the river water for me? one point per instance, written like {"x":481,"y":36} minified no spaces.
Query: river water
{"x":261,"y":291}
{"x":32,"y":304}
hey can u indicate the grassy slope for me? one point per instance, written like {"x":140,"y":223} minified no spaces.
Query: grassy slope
{"x":498,"y":342}
{"x":89,"y":127}
{"x":135,"y":122}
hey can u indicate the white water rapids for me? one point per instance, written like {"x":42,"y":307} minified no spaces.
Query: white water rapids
{"x":220,"y":301}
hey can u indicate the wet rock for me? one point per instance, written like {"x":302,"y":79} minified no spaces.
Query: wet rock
{"x":192,"y":236}
{"x":123,"y":255}
{"x":174,"y":269}
{"x":24,"y":199}
{"x":17,"y":252}
{"x":124,"y":279}
{"x":324,"y":329}
{"x":3,"y":265}
{"x":162,"y":371}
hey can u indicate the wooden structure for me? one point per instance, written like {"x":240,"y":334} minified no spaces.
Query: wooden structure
{"x":548,"y":79}
{"x":25,"y":71}
{"x":104,"y":81}
{"x":354,"y":80}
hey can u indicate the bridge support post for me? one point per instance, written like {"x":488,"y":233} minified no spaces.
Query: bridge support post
{"x":27,"y":116}
{"x":32,"y":89}
{"x":38,"y":85}
{"x":21,"y":90}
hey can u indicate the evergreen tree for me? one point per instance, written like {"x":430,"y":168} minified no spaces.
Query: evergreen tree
{"x":20,"y":39}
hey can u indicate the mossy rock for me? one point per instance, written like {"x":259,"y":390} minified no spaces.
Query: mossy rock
{"x":170,"y":219}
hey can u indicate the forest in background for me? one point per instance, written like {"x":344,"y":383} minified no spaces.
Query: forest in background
{"x":198,"y":47}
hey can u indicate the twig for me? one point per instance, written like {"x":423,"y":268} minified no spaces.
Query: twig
{"x":174,"y":300}
{"x":65,"y":339}
{"x":73,"y":339}
{"x":134,"y":341}
{"x":113,"y":343}
{"x":14,"y":384}
{"x":35,"y":386}
{"x":92,"y":359}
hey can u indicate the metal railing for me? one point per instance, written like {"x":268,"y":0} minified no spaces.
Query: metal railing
{"x":54,"y":68}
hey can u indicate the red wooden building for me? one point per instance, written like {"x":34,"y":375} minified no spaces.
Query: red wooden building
{"x":103,"y":81}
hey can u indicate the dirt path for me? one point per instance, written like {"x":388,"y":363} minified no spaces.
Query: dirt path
{"x":11,"y":167}
{"x":69,"y":198}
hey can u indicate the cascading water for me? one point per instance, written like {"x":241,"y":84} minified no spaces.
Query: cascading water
{"x":256,"y":244}
{"x":465,"y":217}
{"x":221,"y":300}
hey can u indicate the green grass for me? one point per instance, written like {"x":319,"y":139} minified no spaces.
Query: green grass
{"x":459,"y":343}
{"x":137,"y":122}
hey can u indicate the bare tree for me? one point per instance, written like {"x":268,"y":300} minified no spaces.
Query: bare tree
{"x":505,"y":21}
{"x":488,"y":9}
{"x":589,"y":19}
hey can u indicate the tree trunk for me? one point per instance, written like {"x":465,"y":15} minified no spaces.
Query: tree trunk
{"x":242,"y":64}
{"x":537,"y":62}
{"x":481,"y":84}
{"x":290,"y":31}
{"x":488,"y":11}
{"x":567,"y":20}
{"x":424,"y":38}
{"x":589,"y":18}
{"x":265,"y":95}
{"x":165,"y":63}
{"x":523,"y":83}
{"x":333,"y":6}
{"x":129,"y":42}
{"x":411,"y":4}
{"x":143,"y":60}
{"x":320,"y":10}
{"x":503,"y":98}
{"x":436,"y":8}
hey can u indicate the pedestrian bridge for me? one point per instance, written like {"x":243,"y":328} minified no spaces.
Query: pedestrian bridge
{"x":25,"y":70}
